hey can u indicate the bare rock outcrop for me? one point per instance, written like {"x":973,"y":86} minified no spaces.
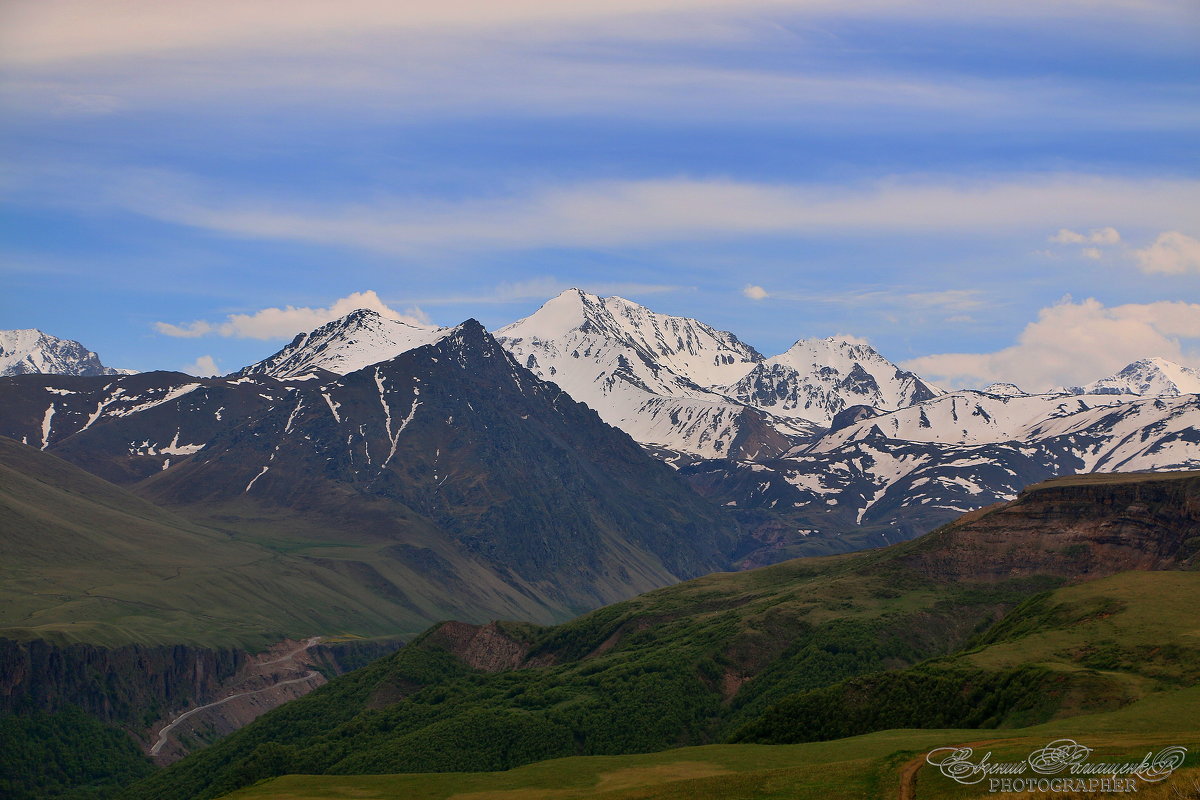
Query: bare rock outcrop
{"x":1080,"y":527}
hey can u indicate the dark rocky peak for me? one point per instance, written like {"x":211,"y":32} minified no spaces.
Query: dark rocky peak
{"x":850,"y":415}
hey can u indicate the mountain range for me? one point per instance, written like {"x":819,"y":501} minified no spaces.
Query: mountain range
{"x":826,"y":447}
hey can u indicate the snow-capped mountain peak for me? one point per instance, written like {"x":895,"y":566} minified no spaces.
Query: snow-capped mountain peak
{"x":359,"y":339}
{"x":817,"y":378}
{"x":1149,"y":377}
{"x":689,"y":348}
{"x":649,"y":374}
{"x":29,"y":351}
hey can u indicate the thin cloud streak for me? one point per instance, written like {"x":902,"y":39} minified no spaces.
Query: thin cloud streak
{"x":48,"y":31}
{"x":396,"y":60}
{"x":657,"y":211}
{"x":282,"y":323}
{"x":545,"y":288}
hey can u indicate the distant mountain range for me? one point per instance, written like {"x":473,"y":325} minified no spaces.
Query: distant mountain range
{"x":823,"y":448}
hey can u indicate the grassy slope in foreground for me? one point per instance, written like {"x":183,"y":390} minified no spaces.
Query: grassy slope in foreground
{"x":844,"y":769}
{"x":1084,"y":648}
{"x":82,"y":560}
{"x":693,"y":663}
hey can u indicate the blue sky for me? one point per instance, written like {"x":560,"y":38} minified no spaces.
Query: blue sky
{"x":1004,"y":190}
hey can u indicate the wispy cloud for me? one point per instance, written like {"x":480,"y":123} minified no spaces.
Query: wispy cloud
{"x":639,"y":212}
{"x":958,"y":300}
{"x":38,"y":32}
{"x":1106,"y":235}
{"x":279,"y":323}
{"x":543,"y":288}
{"x":529,"y":56}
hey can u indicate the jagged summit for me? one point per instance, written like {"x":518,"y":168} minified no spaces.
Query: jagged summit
{"x":815,"y":379}
{"x":1148,"y":377}
{"x":359,"y":339}
{"x":1004,"y":390}
{"x":650,"y":374}
{"x":689,"y":348}
{"x":29,"y":351}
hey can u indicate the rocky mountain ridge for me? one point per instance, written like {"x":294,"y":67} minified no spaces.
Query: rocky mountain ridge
{"x":29,"y":352}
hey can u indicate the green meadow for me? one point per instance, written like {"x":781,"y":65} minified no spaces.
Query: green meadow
{"x":870,"y":766}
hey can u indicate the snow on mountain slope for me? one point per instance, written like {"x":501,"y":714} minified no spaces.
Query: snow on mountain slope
{"x":967,"y":417}
{"x":129,"y":427}
{"x":29,"y":352}
{"x":1149,"y":377}
{"x":902,"y":474}
{"x":357,"y":340}
{"x":1098,"y":433}
{"x":817,"y":378}
{"x":1159,"y":434}
{"x":647,"y":373}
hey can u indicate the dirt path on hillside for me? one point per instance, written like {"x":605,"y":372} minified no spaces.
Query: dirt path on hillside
{"x":164,"y":734}
{"x":908,"y":773}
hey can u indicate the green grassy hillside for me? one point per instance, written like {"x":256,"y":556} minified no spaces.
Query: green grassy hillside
{"x":694,"y":663}
{"x":1090,"y":647}
{"x":683,"y":665}
{"x":875,"y":765}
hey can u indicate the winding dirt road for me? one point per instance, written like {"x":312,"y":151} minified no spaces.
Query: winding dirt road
{"x":165,"y":733}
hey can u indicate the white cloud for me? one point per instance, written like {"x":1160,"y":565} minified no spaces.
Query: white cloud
{"x":755,"y":292}
{"x":203,"y":367}
{"x":852,"y":339}
{"x":1097,"y":237}
{"x":188,"y":330}
{"x":1065,"y":236}
{"x":1172,"y":253}
{"x":277,"y":323}
{"x":1073,"y":343}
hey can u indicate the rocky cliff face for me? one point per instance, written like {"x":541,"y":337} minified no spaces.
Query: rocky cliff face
{"x":488,"y":648}
{"x":145,"y":689}
{"x":128,"y":686}
{"x":1083,"y":527}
